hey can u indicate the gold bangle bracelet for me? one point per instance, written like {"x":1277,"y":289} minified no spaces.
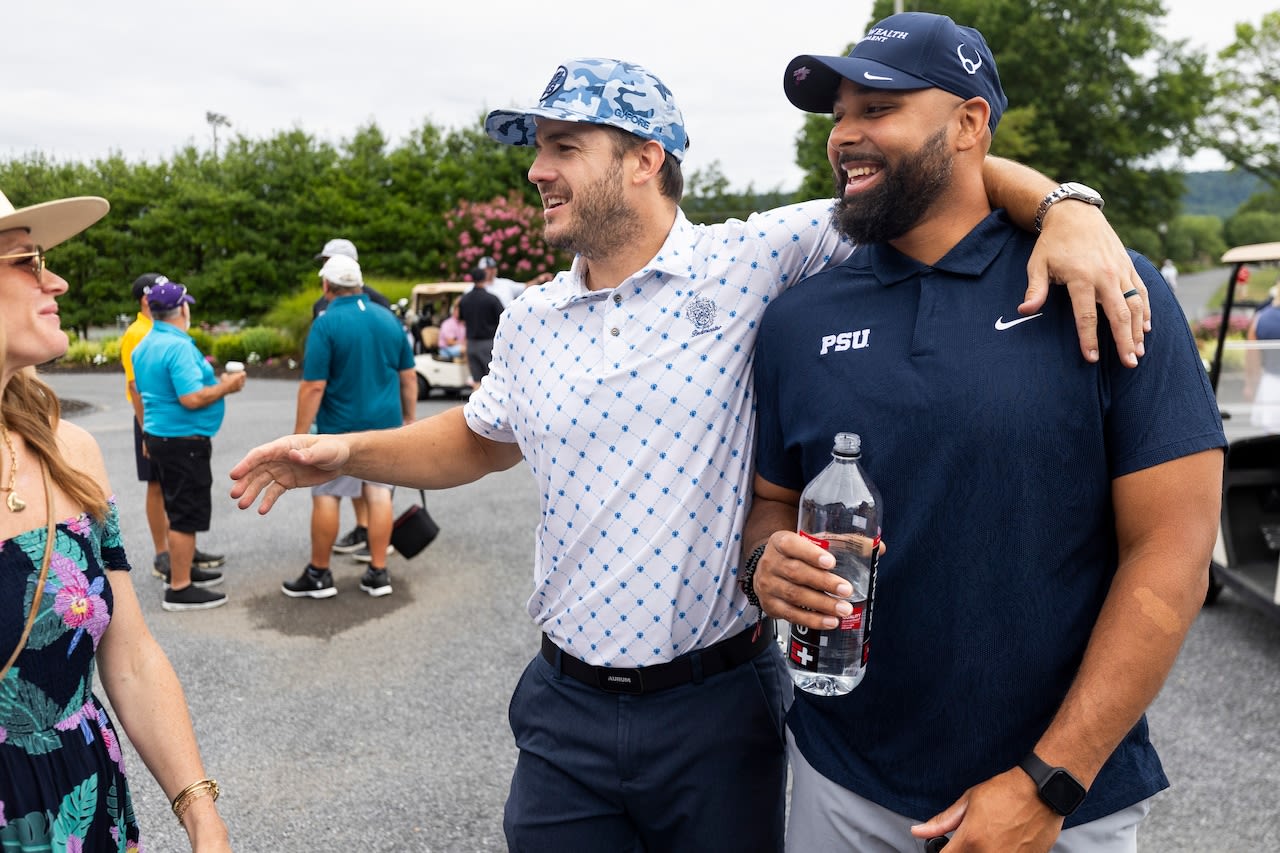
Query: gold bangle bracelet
{"x":194,"y":791}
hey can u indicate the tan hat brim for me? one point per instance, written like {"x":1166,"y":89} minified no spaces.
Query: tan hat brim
{"x":53,"y":222}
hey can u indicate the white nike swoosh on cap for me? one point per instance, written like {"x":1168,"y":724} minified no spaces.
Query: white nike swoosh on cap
{"x":870,"y":76}
{"x":1001,"y":325}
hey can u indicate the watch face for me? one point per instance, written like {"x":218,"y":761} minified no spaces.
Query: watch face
{"x":1081,"y":189}
{"x":1062,"y":792}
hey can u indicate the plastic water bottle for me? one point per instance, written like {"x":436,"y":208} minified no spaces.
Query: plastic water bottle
{"x":840,"y":510}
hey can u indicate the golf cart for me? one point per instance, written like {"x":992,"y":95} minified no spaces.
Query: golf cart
{"x":429,"y":305}
{"x":1246,"y":558}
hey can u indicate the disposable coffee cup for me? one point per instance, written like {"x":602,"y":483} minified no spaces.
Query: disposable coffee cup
{"x":234,"y":367}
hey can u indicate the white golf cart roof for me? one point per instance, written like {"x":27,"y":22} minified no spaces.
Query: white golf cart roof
{"x":1256,"y":253}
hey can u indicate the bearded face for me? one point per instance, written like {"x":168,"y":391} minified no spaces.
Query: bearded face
{"x":908,"y":188}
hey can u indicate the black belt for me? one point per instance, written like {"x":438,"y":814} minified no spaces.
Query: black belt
{"x":695,"y":666}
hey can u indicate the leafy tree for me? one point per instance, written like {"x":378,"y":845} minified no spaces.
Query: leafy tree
{"x":708,"y":198}
{"x":1255,"y":226}
{"x":1195,"y":239}
{"x":1267,"y":200}
{"x":1243,"y":121}
{"x":1095,"y":93}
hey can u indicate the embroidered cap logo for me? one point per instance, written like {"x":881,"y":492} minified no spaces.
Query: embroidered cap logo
{"x":970,"y":65}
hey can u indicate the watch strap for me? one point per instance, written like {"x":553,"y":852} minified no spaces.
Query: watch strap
{"x":1066,"y":191}
{"x":1057,"y":788}
{"x":1036,"y":768}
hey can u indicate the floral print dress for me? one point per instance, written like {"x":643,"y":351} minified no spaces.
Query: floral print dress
{"x":62,"y":780}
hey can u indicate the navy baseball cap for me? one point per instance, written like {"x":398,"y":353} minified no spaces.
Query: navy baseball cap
{"x":913,"y":50}
{"x":599,"y":91}
{"x":142,"y":284}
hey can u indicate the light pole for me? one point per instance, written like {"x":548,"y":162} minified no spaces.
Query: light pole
{"x":216,"y":120}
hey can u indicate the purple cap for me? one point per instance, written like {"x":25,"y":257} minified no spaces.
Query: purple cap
{"x":167,"y":296}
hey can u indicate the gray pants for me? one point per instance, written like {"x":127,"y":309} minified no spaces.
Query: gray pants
{"x":479,"y":354}
{"x":825,"y":816}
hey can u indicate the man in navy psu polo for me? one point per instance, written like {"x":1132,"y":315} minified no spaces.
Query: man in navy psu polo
{"x":1048,"y":522}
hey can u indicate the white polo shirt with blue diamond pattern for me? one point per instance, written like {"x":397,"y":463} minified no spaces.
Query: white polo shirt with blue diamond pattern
{"x":633,"y":408}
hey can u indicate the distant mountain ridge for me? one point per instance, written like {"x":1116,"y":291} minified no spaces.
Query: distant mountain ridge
{"x":1218,"y":193}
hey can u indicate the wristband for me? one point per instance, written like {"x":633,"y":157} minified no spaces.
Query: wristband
{"x":748,"y":580}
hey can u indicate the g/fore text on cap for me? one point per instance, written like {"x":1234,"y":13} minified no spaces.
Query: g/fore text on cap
{"x":628,"y":115}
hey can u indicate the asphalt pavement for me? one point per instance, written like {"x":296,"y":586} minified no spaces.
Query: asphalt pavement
{"x":380,"y":724}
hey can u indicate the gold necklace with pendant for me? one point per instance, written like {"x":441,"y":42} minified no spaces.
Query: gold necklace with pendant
{"x":15,"y":503}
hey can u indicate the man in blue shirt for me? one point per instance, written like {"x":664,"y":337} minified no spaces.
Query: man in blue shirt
{"x":357,"y":374}
{"x":182,"y":408}
{"x":1048,"y":522}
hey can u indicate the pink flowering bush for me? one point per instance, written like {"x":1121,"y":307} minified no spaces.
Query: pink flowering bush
{"x":1207,"y":327}
{"x":507,"y":229}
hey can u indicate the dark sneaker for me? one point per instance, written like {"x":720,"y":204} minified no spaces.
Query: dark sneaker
{"x":376,"y":582}
{"x":363,"y":556}
{"x":312,"y":583}
{"x":199,"y":577}
{"x":191,"y":598}
{"x":201,"y":560}
{"x":354,"y":540}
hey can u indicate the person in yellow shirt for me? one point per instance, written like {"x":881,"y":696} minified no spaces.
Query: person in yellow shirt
{"x":157,"y":520}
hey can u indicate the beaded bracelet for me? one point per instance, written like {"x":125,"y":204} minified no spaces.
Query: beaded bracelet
{"x":194,"y":791}
{"x":748,"y":578}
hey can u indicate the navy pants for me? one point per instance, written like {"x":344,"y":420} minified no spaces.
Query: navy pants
{"x":700,"y":767}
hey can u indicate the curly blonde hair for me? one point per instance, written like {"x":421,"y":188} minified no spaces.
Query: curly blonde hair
{"x":30,"y":408}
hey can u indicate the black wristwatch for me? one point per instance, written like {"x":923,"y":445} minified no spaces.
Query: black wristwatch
{"x":1061,"y":791}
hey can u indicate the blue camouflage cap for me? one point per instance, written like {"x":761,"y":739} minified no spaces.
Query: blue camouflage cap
{"x":599,"y":91}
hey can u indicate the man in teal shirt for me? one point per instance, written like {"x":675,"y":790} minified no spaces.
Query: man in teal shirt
{"x":182,"y":408}
{"x":357,"y":374}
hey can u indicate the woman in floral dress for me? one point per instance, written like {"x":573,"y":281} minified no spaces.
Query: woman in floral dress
{"x":62,"y":775}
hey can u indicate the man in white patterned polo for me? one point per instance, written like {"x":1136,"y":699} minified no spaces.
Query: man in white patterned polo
{"x":653,"y":717}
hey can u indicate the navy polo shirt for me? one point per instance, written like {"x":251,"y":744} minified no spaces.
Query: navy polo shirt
{"x":994,"y":445}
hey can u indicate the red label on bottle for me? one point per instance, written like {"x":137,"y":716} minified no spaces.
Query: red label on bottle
{"x":852,"y":622}
{"x":824,"y":544}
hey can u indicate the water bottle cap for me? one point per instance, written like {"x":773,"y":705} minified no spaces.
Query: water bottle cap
{"x":847,"y":444}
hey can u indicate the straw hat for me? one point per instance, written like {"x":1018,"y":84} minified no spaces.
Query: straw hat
{"x":50,"y":223}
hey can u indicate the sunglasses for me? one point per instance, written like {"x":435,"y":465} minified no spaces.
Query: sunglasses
{"x":36,"y":262}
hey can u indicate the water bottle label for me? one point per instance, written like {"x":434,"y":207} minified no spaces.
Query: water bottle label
{"x":852,"y":622}
{"x":809,"y":648}
{"x":804,"y":648}
{"x":824,"y":544}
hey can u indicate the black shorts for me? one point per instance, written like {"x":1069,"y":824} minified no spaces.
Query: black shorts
{"x":146,"y":471}
{"x":186,"y":478}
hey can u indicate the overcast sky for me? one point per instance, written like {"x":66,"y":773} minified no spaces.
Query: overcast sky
{"x":138,"y":76}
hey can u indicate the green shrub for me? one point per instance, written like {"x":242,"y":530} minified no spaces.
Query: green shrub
{"x":265,"y":342}
{"x":204,"y":340}
{"x":111,"y":349}
{"x":292,"y":314}
{"x":81,"y":352}
{"x":229,"y":348}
